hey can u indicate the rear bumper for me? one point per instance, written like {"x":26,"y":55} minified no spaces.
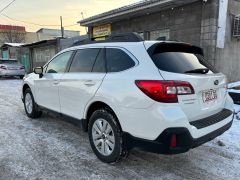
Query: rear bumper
{"x":184,"y":141}
{"x":12,"y":73}
{"x":151,"y":122}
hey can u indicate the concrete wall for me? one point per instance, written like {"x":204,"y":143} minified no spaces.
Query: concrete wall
{"x":195,"y":23}
{"x":209,"y":26}
{"x":32,"y":37}
{"x":41,"y":55}
{"x":228,"y":59}
{"x":184,"y":23}
{"x":58,"y":33}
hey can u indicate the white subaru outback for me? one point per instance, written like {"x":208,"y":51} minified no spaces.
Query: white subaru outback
{"x":162,"y":97}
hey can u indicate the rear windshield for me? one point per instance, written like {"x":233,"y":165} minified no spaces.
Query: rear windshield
{"x":181,"y":60}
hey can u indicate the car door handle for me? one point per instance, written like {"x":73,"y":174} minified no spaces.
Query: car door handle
{"x":55,"y":83}
{"x":89,"y":83}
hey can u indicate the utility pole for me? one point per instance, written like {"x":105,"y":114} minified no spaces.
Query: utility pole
{"x":62,"y":28}
{"x":82,"y":19}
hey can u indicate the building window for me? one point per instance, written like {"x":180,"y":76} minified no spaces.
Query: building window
{"x":161,"y":35}
{"x":236,"y":26}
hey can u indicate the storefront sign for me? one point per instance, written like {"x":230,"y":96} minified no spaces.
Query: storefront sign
{"x":101,"y":31}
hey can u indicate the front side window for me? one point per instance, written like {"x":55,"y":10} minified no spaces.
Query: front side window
{"x":118,"y":60}
{"x":84,"y":60}
{"x":59,"y":63}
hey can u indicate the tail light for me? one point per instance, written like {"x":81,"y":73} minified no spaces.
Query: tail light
{"x":3,"y":67}
{"x":22,"y":67}
{"x":164,"y":91}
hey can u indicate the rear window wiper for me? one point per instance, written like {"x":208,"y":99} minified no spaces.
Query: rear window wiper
{"x":198,"y":71}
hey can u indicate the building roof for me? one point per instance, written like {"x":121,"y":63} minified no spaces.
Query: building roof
{"x":7,"y":45}
{"x":10,"y":27}
{"x":40,"y":43}
{"x":42,"y":29}
{"x":13,"y":44}
{"x":136,"y":9}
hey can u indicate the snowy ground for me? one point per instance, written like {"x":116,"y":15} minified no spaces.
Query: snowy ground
{"x":50,"y":148}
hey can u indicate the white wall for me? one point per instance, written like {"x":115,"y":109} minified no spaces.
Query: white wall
{"x":228,"y":59}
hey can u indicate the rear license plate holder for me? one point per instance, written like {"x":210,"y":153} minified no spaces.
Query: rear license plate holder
{"x":209,"y":95}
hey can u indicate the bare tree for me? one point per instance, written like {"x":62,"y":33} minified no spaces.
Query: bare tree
{"x":13,"y":36}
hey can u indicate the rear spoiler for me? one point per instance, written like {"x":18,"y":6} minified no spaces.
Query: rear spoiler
{"x":162,"y":47}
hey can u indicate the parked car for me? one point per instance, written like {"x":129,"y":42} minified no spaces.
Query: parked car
{"x":162,"y":97}
{"x":234,"y":92}
{"x":11,"y":68}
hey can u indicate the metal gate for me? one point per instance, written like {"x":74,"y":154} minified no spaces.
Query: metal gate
{"x":25,"y":60}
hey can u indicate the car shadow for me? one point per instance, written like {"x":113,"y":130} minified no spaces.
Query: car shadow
{"x":9,"y":78}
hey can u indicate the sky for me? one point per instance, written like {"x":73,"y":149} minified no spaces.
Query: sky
{"x":46,"y":13}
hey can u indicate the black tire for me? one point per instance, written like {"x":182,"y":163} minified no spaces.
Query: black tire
{"x":35,"y":113}
{"x":21,"y":77}
{"x":119,"y":151}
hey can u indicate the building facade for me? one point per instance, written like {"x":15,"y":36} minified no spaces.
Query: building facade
{"x":12,"y":34}
{"x":39,"y":53}
{"x":205,"y":23}
{"x":42,"y":51}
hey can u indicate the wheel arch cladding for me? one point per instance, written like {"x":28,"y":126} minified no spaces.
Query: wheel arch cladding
{"x":25,"y":86}
{"x":95,"y":106}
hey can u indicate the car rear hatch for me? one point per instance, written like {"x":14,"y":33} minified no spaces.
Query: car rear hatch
{"x":13,"y":65}
{"x":183,"y":62}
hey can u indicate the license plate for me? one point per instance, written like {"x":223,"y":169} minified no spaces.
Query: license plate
{"x":12,"y":68}
{"x":209,"y":95}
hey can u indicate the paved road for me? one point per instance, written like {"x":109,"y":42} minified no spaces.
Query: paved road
{"x":50,"y":148}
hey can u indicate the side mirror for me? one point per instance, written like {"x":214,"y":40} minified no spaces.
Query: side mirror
{"x":38,"y":70}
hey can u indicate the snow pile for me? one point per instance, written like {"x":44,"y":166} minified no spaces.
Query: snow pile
{"x":52,"y":148}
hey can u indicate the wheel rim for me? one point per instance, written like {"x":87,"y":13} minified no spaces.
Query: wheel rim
{"x":103,"y":137}
{"x":28,"y":103}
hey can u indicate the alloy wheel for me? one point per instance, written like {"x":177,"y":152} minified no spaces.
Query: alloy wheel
{"x":103,"y":137}
{"x":28,"y":103}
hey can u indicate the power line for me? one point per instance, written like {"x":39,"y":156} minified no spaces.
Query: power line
{"x":26,"y":22}
{"x":9,"y":4}
{"x":36,"y":24}
{"x":72,"y":25}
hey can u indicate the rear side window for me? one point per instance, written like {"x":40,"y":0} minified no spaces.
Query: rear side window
{"x":181,"y":62}
{"x":118,"y":60}
{"x":99,"y":65}
{"x":84,"y":60}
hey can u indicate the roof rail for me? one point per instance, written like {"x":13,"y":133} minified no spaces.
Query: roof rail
{"x":116,"y":37}
{"x":125,"y":37}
